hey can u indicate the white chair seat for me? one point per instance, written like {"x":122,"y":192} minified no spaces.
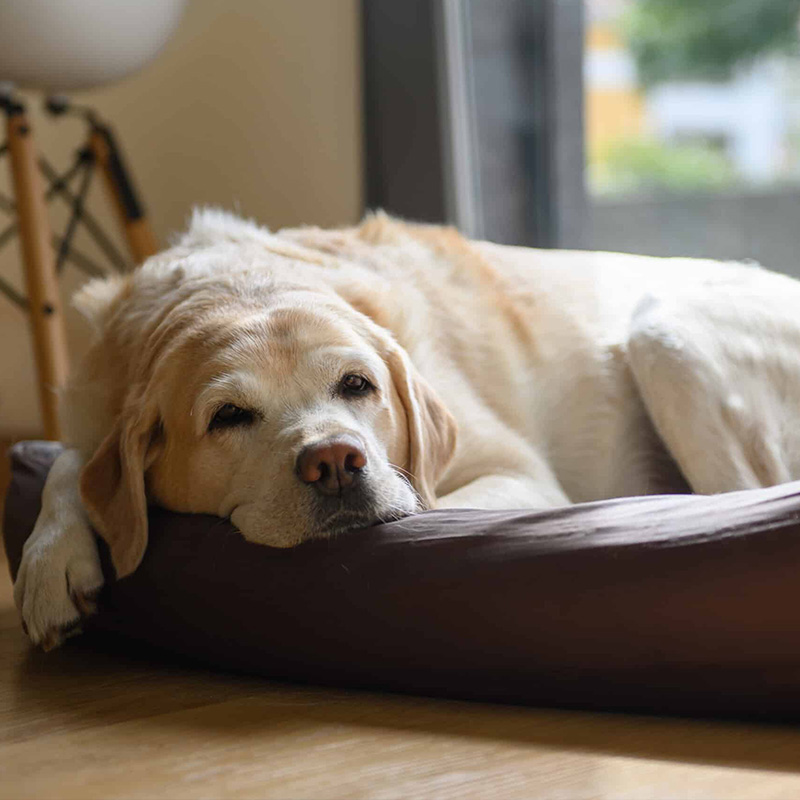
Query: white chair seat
{"x":66,"y":45}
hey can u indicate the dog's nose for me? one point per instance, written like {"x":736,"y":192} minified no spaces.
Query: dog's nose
{"x":332,"y":467}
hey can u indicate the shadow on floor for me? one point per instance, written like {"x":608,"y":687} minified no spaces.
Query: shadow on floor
{"x":85,"y":684}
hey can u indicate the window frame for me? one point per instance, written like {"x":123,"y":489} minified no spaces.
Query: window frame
{"x":416,"y":57}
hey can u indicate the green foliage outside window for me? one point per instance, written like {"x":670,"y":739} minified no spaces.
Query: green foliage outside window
{"x":648,"y":166}
{"x":706,"y":39}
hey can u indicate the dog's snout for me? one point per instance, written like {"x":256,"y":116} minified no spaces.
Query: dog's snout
{"x":332,"y":467}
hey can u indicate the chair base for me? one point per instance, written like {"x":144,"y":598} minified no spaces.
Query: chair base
{"x":45,"y":254}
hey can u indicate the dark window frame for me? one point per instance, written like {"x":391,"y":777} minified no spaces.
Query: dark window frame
{"x":419,"y":126}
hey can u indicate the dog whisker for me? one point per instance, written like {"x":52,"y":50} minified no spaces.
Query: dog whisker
{"x":404,"y":473}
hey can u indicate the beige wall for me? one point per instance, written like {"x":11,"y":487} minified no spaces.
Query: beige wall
{"x":254,"y":105}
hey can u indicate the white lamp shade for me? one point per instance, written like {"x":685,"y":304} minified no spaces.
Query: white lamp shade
{"x":66,"y":45}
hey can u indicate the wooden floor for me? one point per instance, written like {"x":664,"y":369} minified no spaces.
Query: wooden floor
{"x":81,"y":724}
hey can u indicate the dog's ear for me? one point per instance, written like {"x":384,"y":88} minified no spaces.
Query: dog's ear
{"x":431,"y":427}
{"x":112,"y":487}
{"x":96,"y":299}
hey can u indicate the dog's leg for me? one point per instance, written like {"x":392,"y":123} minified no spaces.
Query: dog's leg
{"x":505,"y":491}
{"x":60,"y":570}
{"x":495,"y":467}
{"x":719,"y":372}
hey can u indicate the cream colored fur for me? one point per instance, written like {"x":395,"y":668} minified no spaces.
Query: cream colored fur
{"x":504,"y":378}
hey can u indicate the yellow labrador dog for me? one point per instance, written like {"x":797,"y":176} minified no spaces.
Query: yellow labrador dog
{"x":307,"y":382}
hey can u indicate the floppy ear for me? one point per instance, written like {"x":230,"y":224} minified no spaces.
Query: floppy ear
{"x":113,"y":491}
{"x":431,"y":427}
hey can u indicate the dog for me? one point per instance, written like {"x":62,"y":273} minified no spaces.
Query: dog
{"x":308,"y":382}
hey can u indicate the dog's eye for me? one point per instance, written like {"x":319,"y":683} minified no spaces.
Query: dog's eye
{"x":229,"y":416}
{"x":354,"y":385}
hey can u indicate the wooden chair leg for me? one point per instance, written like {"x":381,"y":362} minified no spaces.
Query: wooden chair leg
{"x":47,"y":321}
{"x":141,"y":241}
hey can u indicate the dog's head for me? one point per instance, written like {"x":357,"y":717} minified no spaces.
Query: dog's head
{"x":259,"y":397}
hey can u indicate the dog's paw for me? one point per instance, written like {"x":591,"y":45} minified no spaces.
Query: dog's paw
{"x":58,"y":580}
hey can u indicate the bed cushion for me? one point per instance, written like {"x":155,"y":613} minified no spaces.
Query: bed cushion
{"x":681,"y":604}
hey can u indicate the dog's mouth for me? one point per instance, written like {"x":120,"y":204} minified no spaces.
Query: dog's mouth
{"x":346,"y":519}
{"x":350,"y":516}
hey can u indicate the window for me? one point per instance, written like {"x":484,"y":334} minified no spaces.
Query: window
{"x":655,"y":126}
{"x":474,"y":116}
{"x":693,"y":128}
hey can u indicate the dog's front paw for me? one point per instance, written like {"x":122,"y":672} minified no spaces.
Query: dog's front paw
{"x":58,"y":580}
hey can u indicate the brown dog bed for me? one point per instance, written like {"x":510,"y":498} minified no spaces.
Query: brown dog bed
{"x":681,"y":604}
